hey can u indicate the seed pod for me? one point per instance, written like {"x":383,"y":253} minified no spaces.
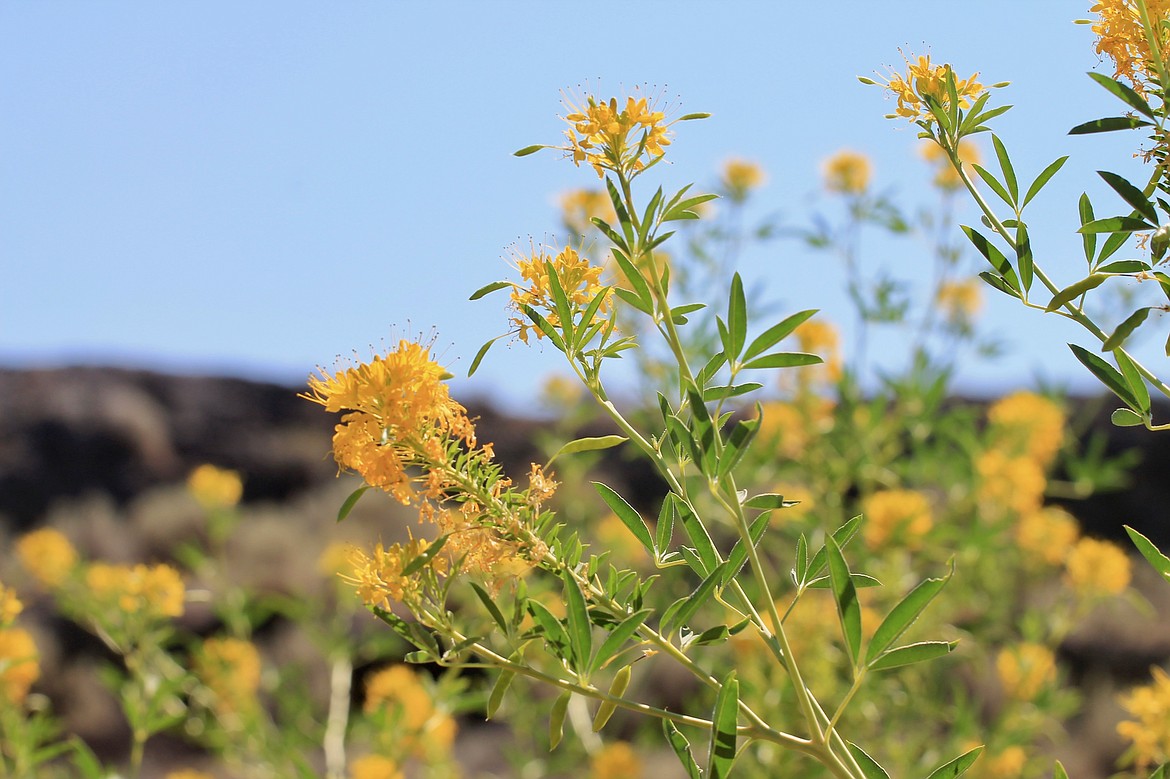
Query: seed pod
{"x":556,"y":719}
{"x":618,"y":688}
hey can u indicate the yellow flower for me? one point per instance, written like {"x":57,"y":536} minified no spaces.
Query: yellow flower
{"x":19,"y":664}
{"x":10,"y":606}
{"x":821,"y":338}
{"x":579,"y":280}
{"x":230,"y":669}
{"x":847,"y":172}
{"x":896,"y":515}
{"x":48,"y":556}
{"x":1149,"y":731}
{"x":615,"y":760}
{"x":541,"y":486}
{"x":959,"y":301}
{"x":378,"y":579}
{"x":156,"y":591}
{"x":1047,"y":535}
{"x":924,"y":80}
{"x":1120,"y":37}
{"x":215,"y":488}
{"x":1025,"y":670}
{"x":1097,"y":568}
{"x":611,"y":137}
{"x":397,"y":691}
{"x":1010,"y":483}
{"x":742,"y":176}
{"x":189,"y":774}
{"x":789,"y":428}
{"x":613,"y":535}
{"x":1027,"y":423}
{"x":1008,"y":763}
{"x":580,"y":206}
{"x":946,"y":177}
{"x":559,"y":391}
{"x":374,"y":767}
{"x":657,"y":263}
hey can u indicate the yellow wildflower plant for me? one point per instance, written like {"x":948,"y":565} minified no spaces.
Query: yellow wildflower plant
{"x":821,"y":338}
{"x":959,"y":301}
{"x":378,"y":578}
{"x":215,"y":488}
{"x":396,"y":693}
{"x":1010,"y":483}
{"x":48,"y":555}
{"x":188,"y":773}
{"x":896,"y":515}
{"x":1025,"y":670}
{"x":1122,"y":37}
{"x":229,"y":668}
{"x":580,"y":206}
{"x":847,"y":172}
{"x":740,"y":177}
{"x":1029,"y":424}
{"x":1094,"y":568}
{"x":374,"y":766}
{"x":10,"y":606}
{"x":1007,"y":763}
{"x":615,"y":760}
{"x":578,"y":278}
{"x":19,"y":664}
{"x":151,"y":591}
{"x":1047,"y":535}
{"x":946,"y":177}
{"x":1149,"y":730}
{"x":925,"y":81}
{"x":611,"y":136}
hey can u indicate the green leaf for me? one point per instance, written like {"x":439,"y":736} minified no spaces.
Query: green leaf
{"x":683,"y":210}
{"x":1152,"y":554}
{"x":1127,"y":95}
{"x":738,"y":555}
{"x":768,"y":500}
{"x":958,"y":766}
{"x":1059,"y":772}
{"x":1124,"y":417}
{"x":490,"y":605}
{"x":645,"y":306}
{"x":903,"y":615}
{"x":556,"y":719}
{"x":995,"y":186}
{"x":351,"y":501}
{"x":1085,"y":207}
{"x":1109,"y":124}
{"x":1024,"y":256}
{"x":845,"y":595}
{"x":580,"y":630}
{"x":611,"y":234}
{"x":648,"y":216}
{"x":860,"y":581}
{"x":1133,"y":378}
{"x":554,"y":632}
{"x":1005,"y":165}
{"x":696,"y":599}
{"x":736,"y":318}
{"x":503,"y":682}
{"x":783,"y":360}
{"x":1042,"y":179}
{"x":488,"y":289}
{"x":1116,"y":224}
{"x":1066,"y":295}
{"x":1124,"y":266}
{"x":994,"y":256}
{"x":1130,"y":194}
{"x":724,"y":720}
{"x":682,"y":749}
{"x":730,"y":391}
{"x":544,"y":326}
{"x":689,"y":117}
{"x":617,"y":638}
{"x":776,"y":333}
{"x":842,"y":536}
{"x":588,"y":445}
{"x":912,"y":653}
{"x":801,"y":569}
{"x":591,"y":311}
{"x":1125,"y":330}
{"x":739,"y":442}
{"x":679,"y":313}
{"x":626,"y":513}
{"x":1106,"y":374}
{"x":530,"y":150}
{"x":664,"y":528}
{"x":997,"y":282}
{"x":425,"y":558}
{"x":869,"y":766}
{"x":1112,"y":244}
{"x":483,"y":350}
{"x":637,"y":281}
{"x":561,"y":301}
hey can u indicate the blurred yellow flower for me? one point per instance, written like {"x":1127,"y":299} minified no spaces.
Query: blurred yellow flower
{"x":1010,"y":483}
{"x":1008,"y":763}
{"x":613,"y":535}
{"x":579,"y":206}
{"x":378,"y":578}
{"x":896,"y":515}
{"x":1097,"y":568}
{"x":47,"y":555}
{"x":230,"y":669}
{"x":10,"y":606}
{"x":397,"y":691}
{"x":798,"y":513}
{"x":819,"y":337}
{"x":1120,"y":37}
{"x":1025,"y":670}
{"x":924,"y":80}
{"x":559,"y":391}
{"x":946,"y":177}
{"x":156,"y":590}
{"x":959,"y":301}
{"x":215,"y":488}
{"x":580,"y":281}
{"x":608,"y":136}
{"x":847,"y":172}
{"x":374,"y":767}
{"x":1149,"y":731}
{"x":19,"y":664}
{"x":789,"y":428}
{"x":188,"y":774}
{"x":1027,"y":423}
{"x":657,"y":263}
{"x":742,"y":176}
{"x":335,"y":559}
{"x":1047,"y":535}
{"x":615,"y":760}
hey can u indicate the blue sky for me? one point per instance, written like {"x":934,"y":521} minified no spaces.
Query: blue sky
{"x":254,"y":188}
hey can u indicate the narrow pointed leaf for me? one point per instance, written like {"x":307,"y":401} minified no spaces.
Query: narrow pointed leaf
{"x":483,"y":350}
{"x":554,"y":632}
{"x":776,"y":333}
{"x":1043,"y":178}
{"x":1133,"y":379}
{"x":998,"y":282}
{"x":696,"y":600}
{"x":529,"y":150}
{"x":1116,"y":224}
{"x":1059,"y":772}
{"x":1106,"y":373}
{"x":868,"y":765}
{"x":1155,"y":557}
{"x":996,"y":187}
{"x":958,"y":766}
{"x":425,"y":558}
{"x":490,"y":605}
{"x":556,"y":719}
{"x":903,"y":615}
{"x":488,"y":289}
{"x":912,"y":653}
{"x":1108,"y":124}
{"x":351,"y":501}
{"x":682,"y":749}
{"x":496,"y":697}
{"x":544,"y":326}
{"x":1085,"y":207}
{"x":1130,"y":194}
{"x":738,"y":555}
{"x":768,"y":500}
{"x":736,"y":318}
{"x":589,"y":445}
{"x":739,"y":442}
{"x":627,"y":514}
{"x":1005,"y":164}
{"x":723,"y":731}
{"x":993,"y":255}
{"x":1125,"y":329}
{"x":842,"y":536}
{"x":845,"y":595}
{"x":1024,"y":256}
{"x":1073,"y":291}
{"x":1127,"y":95}
{"x":783,"y":360}
{"x":617,"y":639}
{"x":580,"y":630}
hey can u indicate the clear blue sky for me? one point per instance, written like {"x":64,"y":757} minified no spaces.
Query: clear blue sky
{"x":254,"y":188}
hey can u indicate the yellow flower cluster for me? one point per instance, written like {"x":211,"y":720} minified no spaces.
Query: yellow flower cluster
{"x":19,"y":664}
{"x":1121,"y":37}
{"x":1027,"y":423}
{"x":847,"y":172}
{"x":946,"y":177}
{"x":1013,"y":483}
{"x":1047,"y":535}
{"x":1096,"y":568}
{"x":924,"y":80}
{"x":579,"y":206}
{"x":10,"y":606}
{"x":149,"y":590}
{"x":1025,"y":670}
{"x":896,"y":515}
{"x":611,"y":137}
{"x":396,"y":693}
{"x":189,"y":774}
{"x":580,"y":281}
{"x":374,"y":767}
{"x":1149,"y":731}
{"x":740,"y":177}
{"x":1008,"y":763}
{"x":816,"y":336}
{"x":378,"y":578}
{"x":789,"y":428}
{"x":215,"y":488}
{"x":230,"y":669}
{"x":615,"y":760}
{"x":959,"y":301}
{"x":48,"y":555}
